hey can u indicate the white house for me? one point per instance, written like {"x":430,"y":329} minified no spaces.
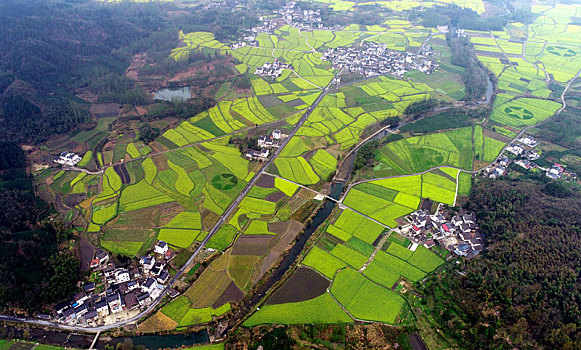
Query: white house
{"x":114,"y":301}
{"x":147,"y":262}
{"x":149,"y":286}
{"x":122,"y":275}
{"x":161,"y":247}
{"x":254,"y":154}
{"x":68,"y":158}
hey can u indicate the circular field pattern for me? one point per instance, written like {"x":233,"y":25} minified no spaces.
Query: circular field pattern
{"x":561,"y":51}
{"x":519,"y":112}
{"x":224,"y":181}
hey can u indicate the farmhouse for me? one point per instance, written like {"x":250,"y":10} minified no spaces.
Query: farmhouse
{"x":515,"y":149}
{"x":67,"y":158}
{"x":555,"y":172}
{"x":161,"y":247}
{"x":529,"y":141}
{"x":254,"y":154}
{"x":272,"y":70}
{"x":271,"y":140}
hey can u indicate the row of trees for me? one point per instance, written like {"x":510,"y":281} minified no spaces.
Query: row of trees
{"x":475,"y":77}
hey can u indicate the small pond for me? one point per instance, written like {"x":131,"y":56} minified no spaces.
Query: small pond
{"x":174,"y":94}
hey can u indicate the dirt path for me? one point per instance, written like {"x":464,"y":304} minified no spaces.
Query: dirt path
{"x":457,"y":185}
{"x":372,"y":256}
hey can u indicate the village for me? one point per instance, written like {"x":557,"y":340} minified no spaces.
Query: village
{"x":265,"y":143}
{"x":523,"y":155}
{"x":456,"y":232}
{"x":117,"y":292}
{"x":373,"y":59}
{"x":272,"y":70}
{"x":291,"y":14}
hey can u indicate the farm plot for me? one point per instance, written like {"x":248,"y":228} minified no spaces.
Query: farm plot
{"x":297,"y":170}
{"x":420,"y":153}
{"x":378,"y":207}
{"x":522,"y":111}
{"x":197,"y":182}
{"x":400,"y":196}
{"x":204,"y":41}
{"x":322,"y":309}
{"x":358,"y":226}
{"x":364,"y":299}
{"x":303,"y":285}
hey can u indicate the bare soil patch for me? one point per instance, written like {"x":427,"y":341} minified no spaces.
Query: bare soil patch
{"x":287,"y":232}
{"x":232,"y":294}
{"x":295,"y":103}
{"x":309,"y":154}
{"x":275,"y":197}
{"x":251,"y":245}
{"x":304,"y":284}
{"x":85,"y":251}
{"x":74,"y":199}
{"x":137,"y":62}
{"x":279,"y":228}
{"x":121,"y":170}
{"x":496,"y":136}
{"x":265,"y":181}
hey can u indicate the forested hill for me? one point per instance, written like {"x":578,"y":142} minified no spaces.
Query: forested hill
{"x":44,"y":58}
{"x":523,"y":292}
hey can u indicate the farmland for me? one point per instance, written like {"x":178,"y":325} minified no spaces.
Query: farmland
{"x":177,"y":186}
{"x":455,"y":148}
{"x":365,"y":294}
{"x":405,"y":193}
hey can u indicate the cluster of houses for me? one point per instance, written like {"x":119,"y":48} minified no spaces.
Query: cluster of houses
{"x":456,"y":232}
{"x":272,"y":70}
{"x":68,"y":158}
{"x":249,"y":39}
{"x":119,"y":290}
{"x":265,"y":142}
{"x":293,"y":15}
{"x":371,"y":59}
{"x":524,"y":155}
{"x":300,"y":18}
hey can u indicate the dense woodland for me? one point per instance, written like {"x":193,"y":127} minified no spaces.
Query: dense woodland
{"x":523,"y":291}
{"x":85,"y":45}
{"x":33,"y":270}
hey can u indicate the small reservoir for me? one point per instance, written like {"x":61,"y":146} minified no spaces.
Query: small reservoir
{"x":174,"y":94}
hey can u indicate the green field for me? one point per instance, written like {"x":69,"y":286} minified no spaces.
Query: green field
{"x":420,"y":153}
{"x":323,"y":262}
{"x":365,"y":299}
{"x":522,"y":111}
{"x":322,"y":309}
